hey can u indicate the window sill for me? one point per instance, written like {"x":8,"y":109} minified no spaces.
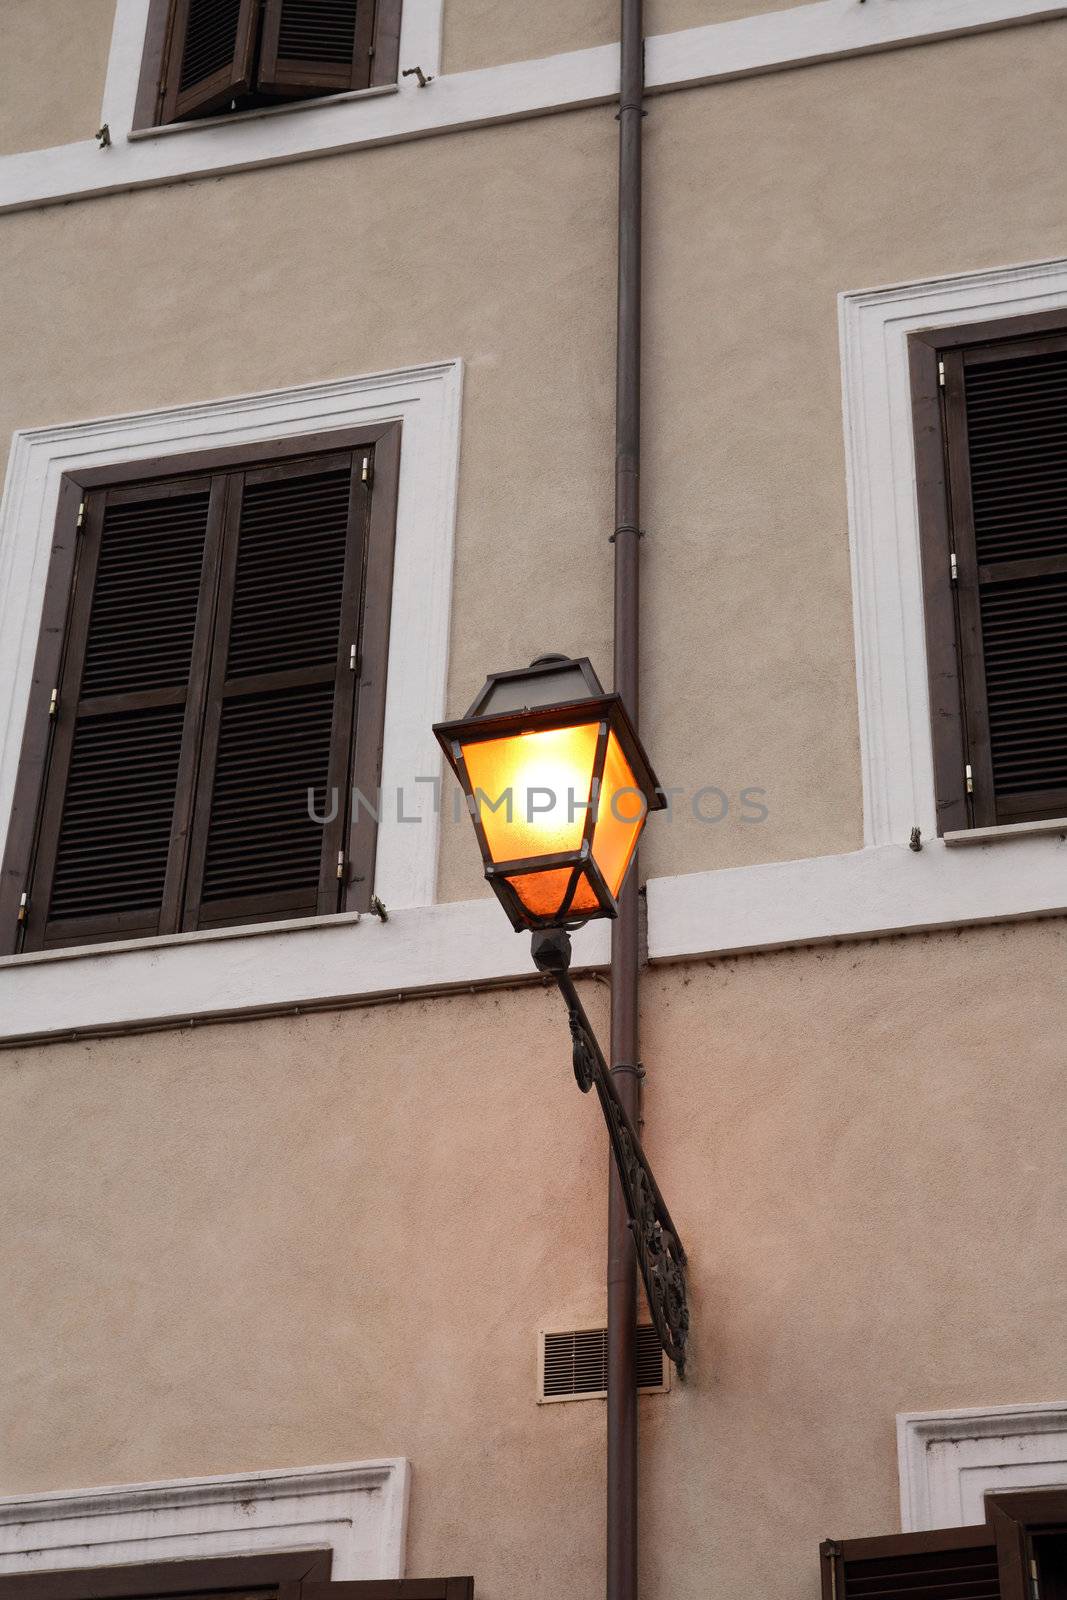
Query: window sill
{"x":1006,"y":830}
{"x":262,"y":113}
{"x":319,"y":963}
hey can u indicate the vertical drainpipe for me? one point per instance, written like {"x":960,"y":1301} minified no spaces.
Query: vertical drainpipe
{"x":622,"y":1280}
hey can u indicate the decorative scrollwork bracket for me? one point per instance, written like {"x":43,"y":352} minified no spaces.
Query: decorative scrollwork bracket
{"x":660,"y":1255}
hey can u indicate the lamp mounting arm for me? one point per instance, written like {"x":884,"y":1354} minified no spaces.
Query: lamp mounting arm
{"x":660,"y":1255}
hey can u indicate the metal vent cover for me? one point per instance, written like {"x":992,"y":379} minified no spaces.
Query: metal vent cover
{"x":572,"y":1363}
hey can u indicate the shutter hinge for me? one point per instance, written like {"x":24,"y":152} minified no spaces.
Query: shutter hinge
{"x":953,"y":568}
{"x":24,"y":907}
{"x":81,"y":515}
{"x":941,"y":374}
{"x":970,"y":778}
{"x":341,"y":864}
{"x":53,"y":704}
{"x":1035,"y":1587}
{"x":355,"y":661}
{"x":832,"y":1551}
{"x":368,"y":471}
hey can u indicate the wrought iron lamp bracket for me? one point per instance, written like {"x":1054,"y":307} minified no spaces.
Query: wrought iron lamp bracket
{"x":660,"y":1255}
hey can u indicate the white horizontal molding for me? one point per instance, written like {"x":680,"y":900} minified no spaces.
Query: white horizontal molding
{"x":357,"y":1509}
{"x":949,"y":1461}
{"x":771,"y":42}
{"x":881,"y":890}
{"x":333,"y":961}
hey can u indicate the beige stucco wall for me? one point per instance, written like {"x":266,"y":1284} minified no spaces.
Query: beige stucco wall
{"x":765,"y":199}
{"x":298,"y":1241}
{"x":484,"y":33}
{"x":53,"y":59}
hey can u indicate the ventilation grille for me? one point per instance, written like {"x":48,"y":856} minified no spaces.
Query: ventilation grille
{"x":1024,"y":634}
{"x":574,"y":1363}
{"x":318,"y":30}
{"x":115,"y":833}
{"x":273,"y":748}
{"x":290,"y":574}
{"x":926,"y":1575}
{"x":210,"y":39}
{"x":145,"y":596}
{"x":1017,"y":432}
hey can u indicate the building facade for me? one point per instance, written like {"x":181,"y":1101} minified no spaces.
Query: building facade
{"x":308,"y":360}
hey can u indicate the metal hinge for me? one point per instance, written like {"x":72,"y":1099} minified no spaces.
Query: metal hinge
{"x":1035,"y":1587}
{"x":367,"y":469}
{"x":341,"y":866}
{"x":24,"y":906}
{"x":832,"y":1552}
{"x":355,"y":661}
{"x":81,"y":515}
{"x":953,"y":568}
{"x":941,"y":374}
{"x":53,"y":704}
{"x":970,"y":778}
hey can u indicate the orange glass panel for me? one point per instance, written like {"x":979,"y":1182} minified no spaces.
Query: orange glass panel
{"x":532,"y":790}
{"x":542,"y":893}
{"x":584,"y":897}
{"x":620,"y":817}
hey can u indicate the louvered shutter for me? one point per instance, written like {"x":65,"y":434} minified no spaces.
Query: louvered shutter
{"x":1006,"y":431}
{"x":316,"y":46}
{"x":281,"y":699}
{"x":210,"y":55}
{"x":119,"y":785}
{"x":943,"y":1564}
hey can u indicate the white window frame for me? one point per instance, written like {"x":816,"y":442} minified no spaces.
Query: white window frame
{"x":950,"y":1460}
{"x":1007,"y":873}
{"x":308,"y":962}
{"x":357,"y":1509}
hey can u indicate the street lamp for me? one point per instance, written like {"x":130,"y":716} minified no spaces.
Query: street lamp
{"x":558,"y":787}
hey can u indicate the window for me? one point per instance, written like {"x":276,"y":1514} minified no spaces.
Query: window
{"x":991,"y":453}
{"x":1020,"y":1553}
{"x":299,"y":1575}
{"x":206,"y":57}
{"x":220,"y":695}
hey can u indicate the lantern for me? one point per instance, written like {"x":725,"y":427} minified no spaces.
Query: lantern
{"x":558,"y":787}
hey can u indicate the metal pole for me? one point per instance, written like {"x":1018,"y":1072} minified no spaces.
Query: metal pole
{"x":622,"y":1278}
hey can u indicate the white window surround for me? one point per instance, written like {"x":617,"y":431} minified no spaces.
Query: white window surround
{"x":1015,"y":872}
{"x":822,"y":30}
{"x":357,"y":1509}
{"x":950,"y":1460}
{"x":307,"y":962}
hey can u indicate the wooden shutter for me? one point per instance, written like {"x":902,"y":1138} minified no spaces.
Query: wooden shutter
{"x":281,"y":698}
{"x":1005,"y":412}
{"x":116,"y":801}
{"x":944,"y":1564}
{"x":210,"y":55}
{"x":316,"y":46}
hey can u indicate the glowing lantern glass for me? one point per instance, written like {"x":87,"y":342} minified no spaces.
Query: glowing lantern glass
{"x":558,"y":787}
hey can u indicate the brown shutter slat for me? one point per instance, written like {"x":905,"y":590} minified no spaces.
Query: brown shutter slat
{"x":316,"y":46}
{"x":112,"y":833}
{"x":942,"y":1564}
{"x":210,"y":55}
{"x":280,"y":706}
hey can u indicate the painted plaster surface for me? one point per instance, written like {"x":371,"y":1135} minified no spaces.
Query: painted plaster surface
{"x":53,"y":59}
{"x":327,"y":1238}
{"x":485,"y":33}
